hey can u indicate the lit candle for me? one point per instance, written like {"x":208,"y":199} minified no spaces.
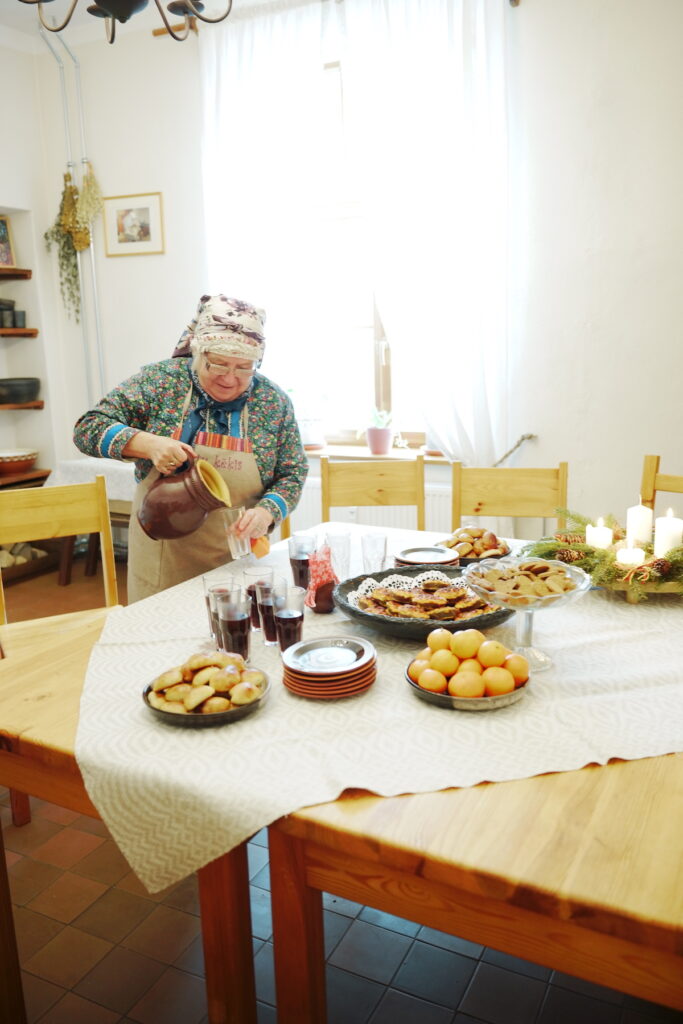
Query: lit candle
{"x":668,"y":533}
{"x":599,"y":536}
{"x":630,"y":556}
{"x":638,"y":525}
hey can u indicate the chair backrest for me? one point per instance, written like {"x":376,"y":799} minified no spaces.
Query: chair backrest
{"x":373,"y":482}
{"x":654,"y":481}
{"x":39,"y":513}
{"x":529,"y":493}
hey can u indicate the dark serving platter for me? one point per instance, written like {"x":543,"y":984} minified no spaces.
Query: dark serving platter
{"x":197,"y":720}
{"x":412,"y":629}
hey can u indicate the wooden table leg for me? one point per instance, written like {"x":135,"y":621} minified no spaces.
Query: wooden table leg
{"x":92,"y":554}
{"x":298,"y":938}
{"x":12,"y":1009}
{"x":20,"y":803}
{"x":226,"y":935}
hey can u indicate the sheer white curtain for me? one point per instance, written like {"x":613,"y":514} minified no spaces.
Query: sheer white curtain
{"x":424,"y":106}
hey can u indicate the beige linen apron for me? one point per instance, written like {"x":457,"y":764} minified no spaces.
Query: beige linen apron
{"x":155,"y":565}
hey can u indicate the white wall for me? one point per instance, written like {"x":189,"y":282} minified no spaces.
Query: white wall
{"x":596,"y":259}
{"x":596,"y":319}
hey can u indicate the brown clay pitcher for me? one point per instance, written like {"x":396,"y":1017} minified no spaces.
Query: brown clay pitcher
{"x":177,"y":505}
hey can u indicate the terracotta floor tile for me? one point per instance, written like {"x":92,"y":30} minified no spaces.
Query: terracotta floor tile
{"x":27,"y":838}
{"x":52,"y":812}
{"x":71,"y":1009}
{"x":33,"y":932}
{"x":176,"y":998}
{"x":39,"y":995}
{"x":29,"y":877}
{"x":66,"y":848}
{"x":67,"y":897}
{"x":114,"y":915}
{"x":5,"y":816}
{"x":68,"y":957}
{"x":164,"y":935}
{"x":131,"y":883}
{"x":95,"y":826}
{"x":12,"y":858}
{"x":192,"y":960}
{"x":105,"y":864}
{"x":184,"y":896}
{"x":120,"y":979}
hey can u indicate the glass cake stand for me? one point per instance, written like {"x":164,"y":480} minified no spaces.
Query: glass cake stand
{"x":526,"y":605}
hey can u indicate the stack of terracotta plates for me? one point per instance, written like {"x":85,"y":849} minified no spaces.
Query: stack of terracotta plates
{"x":330,"y":667}
{"x":426,"y":555}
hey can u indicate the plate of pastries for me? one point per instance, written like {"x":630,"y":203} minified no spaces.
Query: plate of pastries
{"x":410,"y":602}
{"x":471,"y":543}
{"x":208,"y":688}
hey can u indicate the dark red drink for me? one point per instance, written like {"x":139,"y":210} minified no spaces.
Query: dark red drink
{"x":289,"y":625}
{"x":300,"y":571}
{"x":234,"y":633}
{"x":255,"y":621}
{"x":267,"y":610}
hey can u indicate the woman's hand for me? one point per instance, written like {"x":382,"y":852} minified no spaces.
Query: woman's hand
{"x":165,"y":453}
{"x":254,"y":523}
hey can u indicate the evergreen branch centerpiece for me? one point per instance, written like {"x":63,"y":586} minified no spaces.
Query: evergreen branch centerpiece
{"x":612,"y":566}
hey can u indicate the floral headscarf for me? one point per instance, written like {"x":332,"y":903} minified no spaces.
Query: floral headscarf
{"x":227,"y":327}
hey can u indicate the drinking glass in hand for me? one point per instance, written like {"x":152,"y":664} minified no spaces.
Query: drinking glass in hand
{"x":289,"y":616}
{"x":252,"y":576}
{"x":233,"y":615}
{"x":268,"y":595}
{"x":301,"y":546}
{"x":239,"y":547}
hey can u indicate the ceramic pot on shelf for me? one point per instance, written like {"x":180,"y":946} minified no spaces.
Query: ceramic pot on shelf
{"x":177,"y":505}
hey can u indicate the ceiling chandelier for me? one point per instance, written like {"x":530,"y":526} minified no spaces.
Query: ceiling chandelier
{"x":121,"y":10}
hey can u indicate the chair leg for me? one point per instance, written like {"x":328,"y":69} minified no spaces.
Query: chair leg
{"x":92,"y":554}
{"x":20,"y":805}
{"x":66,"y":559}
{"x":12,"y":1008}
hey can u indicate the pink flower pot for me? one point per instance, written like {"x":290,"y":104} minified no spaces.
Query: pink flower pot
{"x":379,"y":439}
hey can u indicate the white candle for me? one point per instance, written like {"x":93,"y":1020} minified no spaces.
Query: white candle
{"x":599,"y":536}
{"x":638,"y":525}
{"x":630,"y":556}
{"x":668,"y":533}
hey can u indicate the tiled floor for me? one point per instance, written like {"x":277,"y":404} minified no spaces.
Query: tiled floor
{"x":96,"y":948}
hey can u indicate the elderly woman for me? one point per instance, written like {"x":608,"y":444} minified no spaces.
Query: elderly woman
{"x":215,"y":405}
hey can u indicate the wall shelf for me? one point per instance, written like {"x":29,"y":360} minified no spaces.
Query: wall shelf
{"x":29,"y":478}
{"x":38,"y":404}
{"x":15,"y":274}
{"x":18,"y":332}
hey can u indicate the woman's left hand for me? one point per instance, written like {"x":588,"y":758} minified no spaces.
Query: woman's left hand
{"x":254,"y":523}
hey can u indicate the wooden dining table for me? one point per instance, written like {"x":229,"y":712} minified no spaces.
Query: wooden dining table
{"x":578,"y":870}
{"x":41,"y":679}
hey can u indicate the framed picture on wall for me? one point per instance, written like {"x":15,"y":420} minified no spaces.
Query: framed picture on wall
{"x":133,"y":225}
{"x":7,"y":258}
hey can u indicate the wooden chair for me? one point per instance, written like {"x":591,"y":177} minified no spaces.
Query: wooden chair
{"x":528,"y":493}
{"x":40,"y":513}
{"x":373,"y":482}
{"x":654,"y":481}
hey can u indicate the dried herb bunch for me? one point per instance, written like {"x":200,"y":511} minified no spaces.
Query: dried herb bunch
{"x":60,"y":236}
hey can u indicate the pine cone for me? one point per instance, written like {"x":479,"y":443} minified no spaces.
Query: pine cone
{"x":661,"y":566}
{"x":568,"y":556}
{"x":570,"y":538}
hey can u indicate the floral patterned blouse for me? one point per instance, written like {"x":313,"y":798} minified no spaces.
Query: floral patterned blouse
{"x":153,"y":400}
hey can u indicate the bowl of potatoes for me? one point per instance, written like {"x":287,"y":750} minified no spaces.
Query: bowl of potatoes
{"x":207,"y":689}
{"x":471,"y":543}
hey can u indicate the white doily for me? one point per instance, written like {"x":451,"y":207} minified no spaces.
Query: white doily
{"x":397,"y":582}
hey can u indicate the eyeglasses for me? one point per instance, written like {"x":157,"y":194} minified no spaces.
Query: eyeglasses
{"x":218,"y":370}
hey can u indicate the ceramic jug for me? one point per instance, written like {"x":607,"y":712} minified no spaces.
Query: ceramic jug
{"x":178,"y":504}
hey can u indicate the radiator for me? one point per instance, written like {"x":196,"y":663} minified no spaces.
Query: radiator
{"x":437,"y":510}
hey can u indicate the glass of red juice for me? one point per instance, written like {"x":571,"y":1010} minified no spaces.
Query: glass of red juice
{"x":301,"y":546}
{"x":289,"y":616}
{"x":211,"y":582}
{"x":233,"y":614}
{"x":269,"y":596}
{"x":252,"y":576}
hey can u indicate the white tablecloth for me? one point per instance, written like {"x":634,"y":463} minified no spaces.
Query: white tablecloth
{"x":120,"y":476}
{"x":175,"y":799}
